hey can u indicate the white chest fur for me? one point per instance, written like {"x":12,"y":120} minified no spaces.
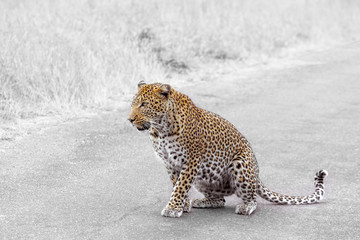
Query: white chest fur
{"x":169,"y":151}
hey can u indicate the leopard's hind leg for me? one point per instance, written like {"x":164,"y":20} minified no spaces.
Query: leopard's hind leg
{"x":209,"y":202}
{"x":214,"y":198}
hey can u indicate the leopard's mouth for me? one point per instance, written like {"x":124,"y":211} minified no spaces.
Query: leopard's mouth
{"x":143,"y":127}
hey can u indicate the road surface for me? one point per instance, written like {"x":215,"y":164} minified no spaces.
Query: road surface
{"x":99,"y":179}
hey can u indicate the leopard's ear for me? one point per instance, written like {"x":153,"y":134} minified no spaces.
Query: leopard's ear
{"x":141,"y":83}
{"x":164,"y":90}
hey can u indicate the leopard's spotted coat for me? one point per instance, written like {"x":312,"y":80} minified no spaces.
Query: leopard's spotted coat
{"x":201,"y":149}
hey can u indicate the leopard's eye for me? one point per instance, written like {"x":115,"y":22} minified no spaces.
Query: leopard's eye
{"x":143,"y":104}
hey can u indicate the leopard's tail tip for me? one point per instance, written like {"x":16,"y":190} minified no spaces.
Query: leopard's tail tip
{"x":320,"y":176}
{"x":322,"y":173}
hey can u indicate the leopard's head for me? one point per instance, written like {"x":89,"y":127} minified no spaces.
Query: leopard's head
{"x":149,"y":104}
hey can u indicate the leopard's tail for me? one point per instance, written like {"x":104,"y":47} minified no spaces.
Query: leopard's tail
{"x":271,"y":196}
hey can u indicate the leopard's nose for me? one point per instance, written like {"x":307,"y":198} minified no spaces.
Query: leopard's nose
{"x":131,"y":119}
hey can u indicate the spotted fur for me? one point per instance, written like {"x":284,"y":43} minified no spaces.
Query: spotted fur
{"x":201,"y":149}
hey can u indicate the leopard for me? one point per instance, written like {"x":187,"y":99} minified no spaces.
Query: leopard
{"x":201,"y":149}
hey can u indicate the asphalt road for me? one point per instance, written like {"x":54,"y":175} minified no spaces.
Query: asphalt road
{"x":98,"y":178}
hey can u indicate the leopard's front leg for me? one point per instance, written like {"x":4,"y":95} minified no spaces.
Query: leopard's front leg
{"x":176,"y":205}
{"x":174,"y":177}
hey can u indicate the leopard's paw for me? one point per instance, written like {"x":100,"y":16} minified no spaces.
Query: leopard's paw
{"x":188,"y":205}
{"x":171,"y":212}
{"x":245,"y":209}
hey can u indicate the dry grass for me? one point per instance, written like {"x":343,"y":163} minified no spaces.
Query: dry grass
{"x":59,"y":56}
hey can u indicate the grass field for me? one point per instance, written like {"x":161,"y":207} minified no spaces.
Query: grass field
{"x":67,"y":56}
